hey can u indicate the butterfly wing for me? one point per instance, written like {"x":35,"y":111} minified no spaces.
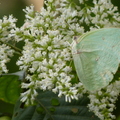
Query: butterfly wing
{"x":96,"y":57}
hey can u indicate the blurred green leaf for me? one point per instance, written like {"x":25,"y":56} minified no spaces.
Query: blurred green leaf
{"x":47,"y":110}
{"x":9,"y":88}
{"x":55,"y":102}
{"x":5,"y":118}
{"x":118,"y":118}
{"x":6,"y":108}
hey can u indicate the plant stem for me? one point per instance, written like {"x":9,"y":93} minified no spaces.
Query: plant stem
{"x":18,"y":51}
{"x":47,"y":111}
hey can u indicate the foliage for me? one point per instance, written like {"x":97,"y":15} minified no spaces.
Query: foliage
{"x":9,"y":88}
{"x":46,"y":61}
{"x":50,"y":107}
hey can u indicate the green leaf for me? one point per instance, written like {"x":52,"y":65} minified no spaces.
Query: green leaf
{"x":55,"y":102}
{"x":96,"y":57}
{"x":6,"y":108}
{"x":5,"y":118}
{"x":46,"y":110}
{"x":9,"y":88}
{"x":118,"y":118}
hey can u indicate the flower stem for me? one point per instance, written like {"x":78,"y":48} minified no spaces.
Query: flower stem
{"x":18,"y":51}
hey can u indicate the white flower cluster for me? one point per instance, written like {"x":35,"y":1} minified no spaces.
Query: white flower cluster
{"x":6,"y":25}
{"x":5,"y":53}
{"x":47,"y":54}
{"x":97,"y":14}
{"x":47,"y":63}
{"x":102,"y":102}
{"x":105,"y":14}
